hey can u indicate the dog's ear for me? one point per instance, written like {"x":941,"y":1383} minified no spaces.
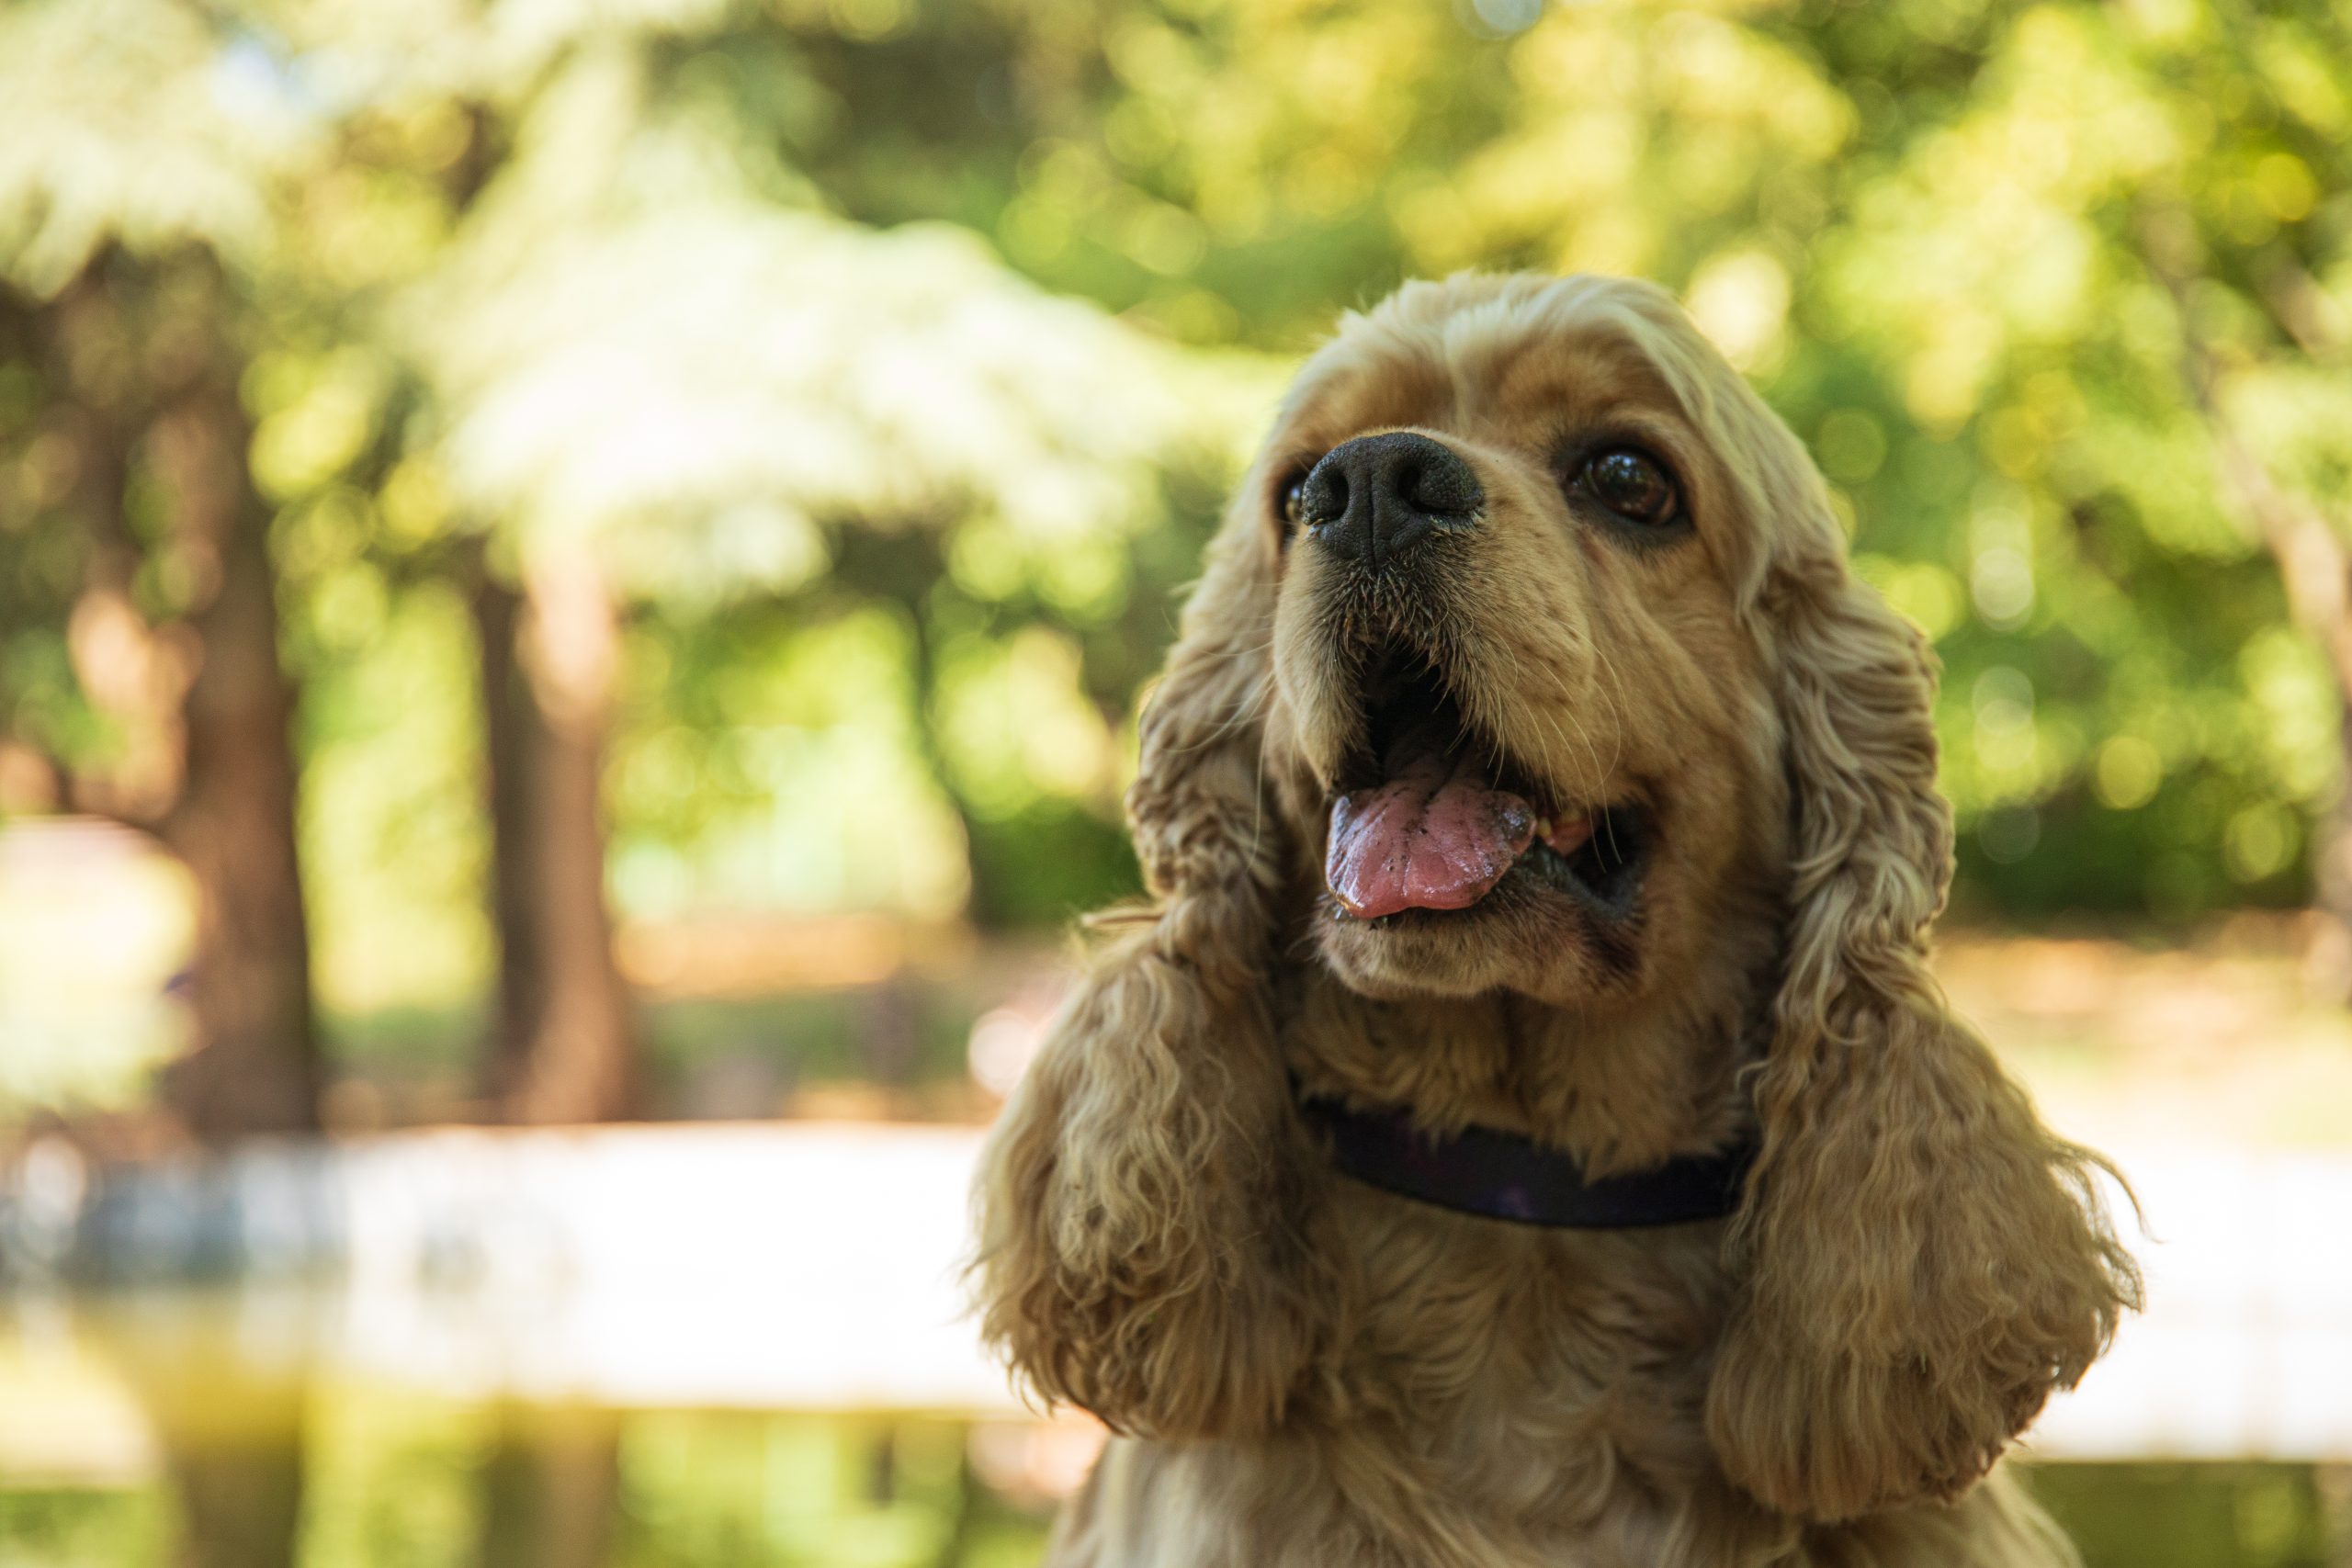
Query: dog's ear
{"x":1210,"y":847}
{"x":1921,"y":1262}
{"x":1138,"y":1201}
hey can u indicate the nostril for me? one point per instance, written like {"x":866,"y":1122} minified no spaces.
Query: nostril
{"x":1441,"y":484}
{"x":1325,"y":497}
{"x":1404,"y":482}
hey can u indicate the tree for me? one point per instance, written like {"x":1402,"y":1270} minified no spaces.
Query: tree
{"x":1940,"y":240}
{"x":122,"y":189}
{"x":783,"y":388}
{"x":658,"y":382}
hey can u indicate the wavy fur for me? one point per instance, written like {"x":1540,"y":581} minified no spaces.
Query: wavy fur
{"x":1308,"y":1372}
{"x":1923,"y":1262}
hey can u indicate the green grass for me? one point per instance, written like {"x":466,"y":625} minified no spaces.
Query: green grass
{"x":760,"y":1490}
{"x":2202,"y":1516}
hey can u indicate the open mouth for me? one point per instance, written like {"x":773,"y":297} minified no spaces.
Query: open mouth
{"x":1435,"y":816}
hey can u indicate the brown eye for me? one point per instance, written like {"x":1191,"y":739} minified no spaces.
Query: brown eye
{"x":1292,"y":498}
{"x":1633,"y":485}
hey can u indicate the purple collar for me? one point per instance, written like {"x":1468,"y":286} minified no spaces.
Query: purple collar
{"x":1503,"y":1176}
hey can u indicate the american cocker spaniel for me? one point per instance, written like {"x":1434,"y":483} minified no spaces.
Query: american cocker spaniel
{"x":1521,"y":1129}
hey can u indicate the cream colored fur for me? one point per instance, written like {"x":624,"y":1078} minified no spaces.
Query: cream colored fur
{"x":1305,"y":1371}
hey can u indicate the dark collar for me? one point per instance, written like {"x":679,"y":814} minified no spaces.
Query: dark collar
{"x":1482,"y":1170}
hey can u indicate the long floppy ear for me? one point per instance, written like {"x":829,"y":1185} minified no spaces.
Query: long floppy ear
{"x":1139,"y":1199}
{"x":1207,"y":841}
{"x":1923,"y":1261}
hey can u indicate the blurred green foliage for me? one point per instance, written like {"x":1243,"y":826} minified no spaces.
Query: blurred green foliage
{"x":892,"y":356}
{"x":1979,"y":255}
{"x":393,"y":1483}
{"x":399,"y":1482}
{"x":2279,"y":1515}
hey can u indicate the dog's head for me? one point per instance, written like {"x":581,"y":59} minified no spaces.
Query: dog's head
{"x":1527,"y":661}
{"x":1527,"y":616}
{"x":1522,"y":719}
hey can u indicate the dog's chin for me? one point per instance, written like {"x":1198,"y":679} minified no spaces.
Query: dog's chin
{"x":1525,"y":936}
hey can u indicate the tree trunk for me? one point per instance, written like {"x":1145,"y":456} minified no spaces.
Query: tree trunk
{"x":512,"y":734}
{"x":2317,"y":571}
{"x":2314,"y":565}
{"x":255,"y":1066}
{"x":2327,"y":966}
{"x":232,"y":1430}
{"x":125,"y":669}
{"x":566,"y":1047}
{"x":240,"y":1501}
{"x":548,"y":1490}
{"x":898,"y":566}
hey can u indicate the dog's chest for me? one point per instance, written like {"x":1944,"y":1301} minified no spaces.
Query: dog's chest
{"x":1497,"y":1394}
{"x":1541,"y":1367}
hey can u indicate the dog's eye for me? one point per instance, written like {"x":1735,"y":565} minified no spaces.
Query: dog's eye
{"x":1292,"y":499}
{"x":1633,"y":485}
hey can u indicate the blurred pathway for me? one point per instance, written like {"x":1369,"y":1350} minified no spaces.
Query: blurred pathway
{"x":2245,"y":1349}
{"x":813,"y":1267}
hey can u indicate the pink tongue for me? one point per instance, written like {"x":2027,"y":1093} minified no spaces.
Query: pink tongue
{"x":1436,"y":836}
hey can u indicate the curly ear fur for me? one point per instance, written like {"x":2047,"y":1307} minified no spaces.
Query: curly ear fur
{"x":1923,"y":1261}
{"x":1139,"y":1200}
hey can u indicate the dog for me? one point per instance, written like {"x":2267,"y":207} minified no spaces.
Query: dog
{"x":1522,"y":1128}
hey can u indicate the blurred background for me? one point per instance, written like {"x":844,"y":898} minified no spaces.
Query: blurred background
{"x":573,"y":580}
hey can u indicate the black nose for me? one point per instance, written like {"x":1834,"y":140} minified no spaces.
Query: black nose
{"x":1377,"y":496}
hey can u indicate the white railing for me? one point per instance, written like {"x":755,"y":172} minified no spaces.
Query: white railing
{"x":811,"y":1267}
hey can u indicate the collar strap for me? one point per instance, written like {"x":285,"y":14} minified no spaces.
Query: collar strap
{"x":1504,"y":1175}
